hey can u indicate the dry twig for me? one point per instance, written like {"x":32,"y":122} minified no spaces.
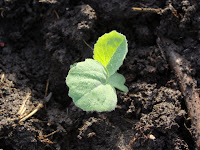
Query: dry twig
{"x":39,"y":106}
{"x":2,"y":80}
{"x":56,"y":13}
{"x":47,"y":88}
{"x":159,"y":11}
{"x":44,"y":138}
{"x":187,"y":84}
{"x":23,"y":108}
{"x":150,"y":10}
{"x":2,"y":12}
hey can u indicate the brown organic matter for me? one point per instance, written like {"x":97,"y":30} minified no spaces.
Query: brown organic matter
{"x":188,"y":85}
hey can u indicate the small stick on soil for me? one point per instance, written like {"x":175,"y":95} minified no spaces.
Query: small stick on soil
{"x":22,"y":108}
{"x":22,"y":111}
{"x":173,"y":10}
{"x":159,"y":11}
{"x":29,"y":111}
{"x":2,"y":80}
{"x":187,"y":84}
{"x":39,"y":106}
{"x":48,"y":1}
{"x":47,"y":87}
{"x":150,"y":10}
{"x":45,"y":136}
{"x":57,"y":16}
{"x":2,"y":11}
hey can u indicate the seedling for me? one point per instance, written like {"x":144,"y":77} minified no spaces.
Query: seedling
{"x":92,"y":82}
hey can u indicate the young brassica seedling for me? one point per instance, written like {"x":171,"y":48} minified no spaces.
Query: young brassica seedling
{"x":92,"y":82}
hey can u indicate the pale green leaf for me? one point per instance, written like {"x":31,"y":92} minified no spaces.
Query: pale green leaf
{"x":87,"y":82}
{"x":117,"y":80}
{"x":111,"y":50}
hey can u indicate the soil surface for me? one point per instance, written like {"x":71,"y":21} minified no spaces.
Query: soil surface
{"x":40,"y":39}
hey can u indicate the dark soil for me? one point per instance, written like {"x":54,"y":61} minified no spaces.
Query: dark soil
{"x":40,"y":39}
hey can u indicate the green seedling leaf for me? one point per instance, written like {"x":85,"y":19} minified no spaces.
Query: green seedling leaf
{"x":71,"y":66}
{"x":117,"y":80}
{"x":110,"y":50}
{"x":92,"y":82}
{"x":88,"y":87}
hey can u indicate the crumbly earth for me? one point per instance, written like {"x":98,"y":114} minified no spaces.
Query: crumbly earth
{"x":40,"y":39}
